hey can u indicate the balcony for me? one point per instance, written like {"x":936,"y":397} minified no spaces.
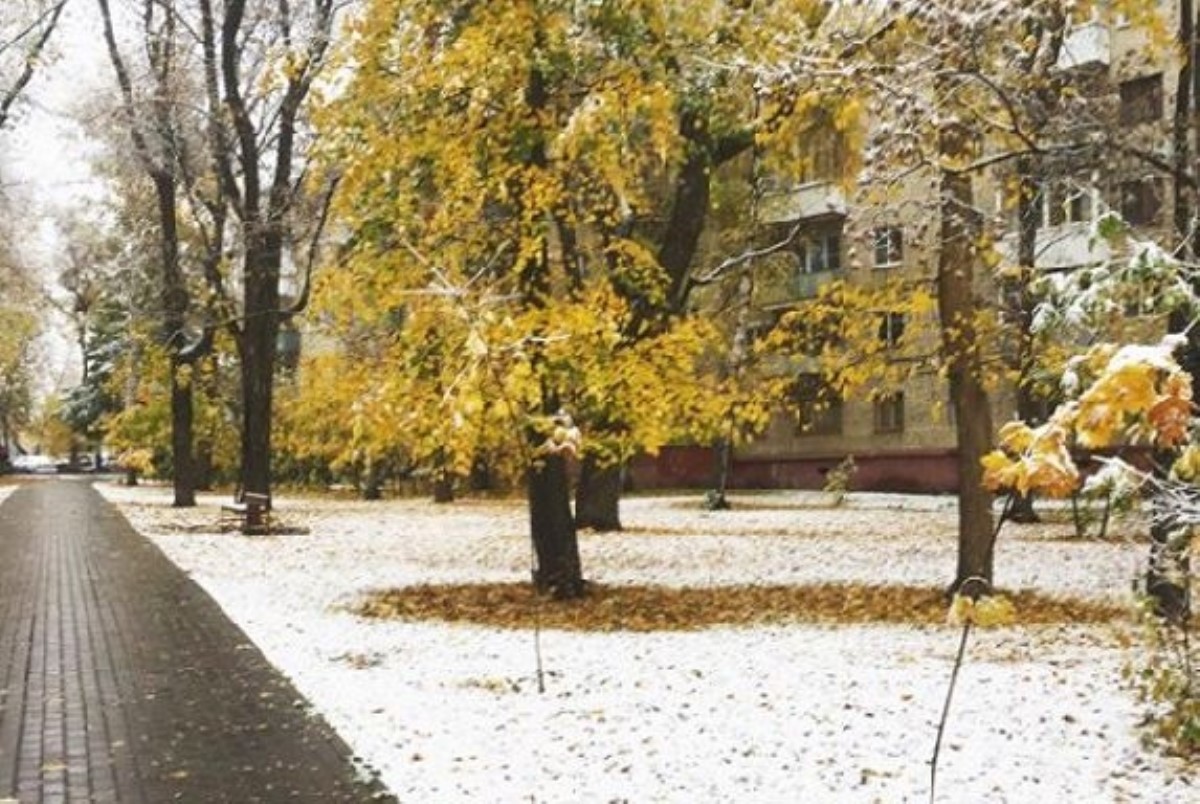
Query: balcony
{"x":813,"y":200}
{"x":806,"y":286}
{"x":1069,"y":245}
{"x":1086,"y":45}
{"x":786,"y":292}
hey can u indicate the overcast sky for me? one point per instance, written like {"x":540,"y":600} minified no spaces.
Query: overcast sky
{"x":45,"y":159}
{"x":46,"y":145}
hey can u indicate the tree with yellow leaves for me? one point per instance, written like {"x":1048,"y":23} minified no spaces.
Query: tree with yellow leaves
{"x":508,"y":217}
{"x":19,"y":328}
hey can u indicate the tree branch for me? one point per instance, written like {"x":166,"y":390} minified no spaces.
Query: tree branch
{"x":51,"y":18}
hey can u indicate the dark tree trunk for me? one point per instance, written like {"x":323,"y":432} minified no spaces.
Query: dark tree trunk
{"x":1168,"y":561}
{"x":443,"y":487}
{"x":181,"y":438}
{"x":559,"y":571}
{"x":722,"y":463}
{"x":480,"y":478}
{"x":1021,"y":305}
{"x":262,"y":202}
{"x":598,"y":495}
{"x":257,"y":369}
{"x":157,"y":124}
{"x":691,"y":200}
{"x":203,"y":465}
{"x":689,"y":211}
{"x":958,"y":311}
{"x":175,"y":303}
{"x":257,"y":346}
{"x":598,"y":498}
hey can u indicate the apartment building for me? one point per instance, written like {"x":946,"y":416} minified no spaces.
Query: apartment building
{"x":903,"y":439}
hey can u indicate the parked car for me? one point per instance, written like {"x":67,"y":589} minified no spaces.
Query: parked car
{"x":34,"y":464}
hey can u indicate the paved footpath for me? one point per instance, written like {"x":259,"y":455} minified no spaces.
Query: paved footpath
{"x":122,"y":681}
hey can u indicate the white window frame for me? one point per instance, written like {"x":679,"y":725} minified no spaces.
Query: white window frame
{"x":819,"y":243}
{"x":891,"y":239}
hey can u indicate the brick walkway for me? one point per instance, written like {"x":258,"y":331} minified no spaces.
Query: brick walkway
{"x":122,"y":681}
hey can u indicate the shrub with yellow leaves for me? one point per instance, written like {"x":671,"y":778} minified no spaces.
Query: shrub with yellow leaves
{"x":1131,"y":395}
{"x":1032,"y":459}
{"x":139,"y":461}
{"x":1120,"y":396}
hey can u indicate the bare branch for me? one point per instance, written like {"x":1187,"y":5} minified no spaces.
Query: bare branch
{"x":748,"y":256}
{"x":48,"y":22}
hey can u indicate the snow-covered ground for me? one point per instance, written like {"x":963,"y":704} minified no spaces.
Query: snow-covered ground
{"x":451,"y":713}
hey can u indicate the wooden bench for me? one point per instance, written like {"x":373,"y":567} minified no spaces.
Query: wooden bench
{"x":250,"y":513}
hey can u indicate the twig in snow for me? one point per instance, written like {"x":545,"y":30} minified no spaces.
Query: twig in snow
{"x":937,"y":745}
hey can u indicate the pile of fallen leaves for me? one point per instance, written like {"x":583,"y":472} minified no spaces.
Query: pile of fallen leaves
{"x":663,"y":608}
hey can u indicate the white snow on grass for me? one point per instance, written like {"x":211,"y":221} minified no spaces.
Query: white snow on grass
{"x":451,"y":713}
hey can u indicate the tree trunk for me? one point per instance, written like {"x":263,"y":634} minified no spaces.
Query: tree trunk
{"x":975,"y":522}
{"x":689,"y":211}
{"x":181,"y":438}
{"x":598,"y":496}
{"x":1167,"y":570}
{"x":1021,"y":305}
{"x":371,"y":485}
{"x":1168,"y":564}
{"x":257,"y":347}
{"x":716,"y":500}
{"x":958,"y":311}
{"x":175,"y":302}
{"x":480,"y":477}
{"x":443,"y":487}
{"x":202,"y":465}
{"x":559,"y":570}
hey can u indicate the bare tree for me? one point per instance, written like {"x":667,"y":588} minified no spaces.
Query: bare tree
{"x":150,"y":103}
{"x":24,"y":37}
{"x":261,"y":60}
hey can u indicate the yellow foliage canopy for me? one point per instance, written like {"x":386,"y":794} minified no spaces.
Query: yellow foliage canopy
{"x":501,"y":265}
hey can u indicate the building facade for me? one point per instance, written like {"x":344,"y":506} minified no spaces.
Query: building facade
{"x":903,"y":438}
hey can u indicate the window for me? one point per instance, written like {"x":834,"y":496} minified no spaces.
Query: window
{"x":1141,"y":201}
{"x":1077,"y":208}
{"x":889,"y":413}
{"x":1142,"y":100}
{"x":889,"y":246}
{"x":818,"y":408}
{"x":825,"y":150}
{"x":820,"y":251}
{"x":891,"y":329}
{"x":1062,"y":201}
